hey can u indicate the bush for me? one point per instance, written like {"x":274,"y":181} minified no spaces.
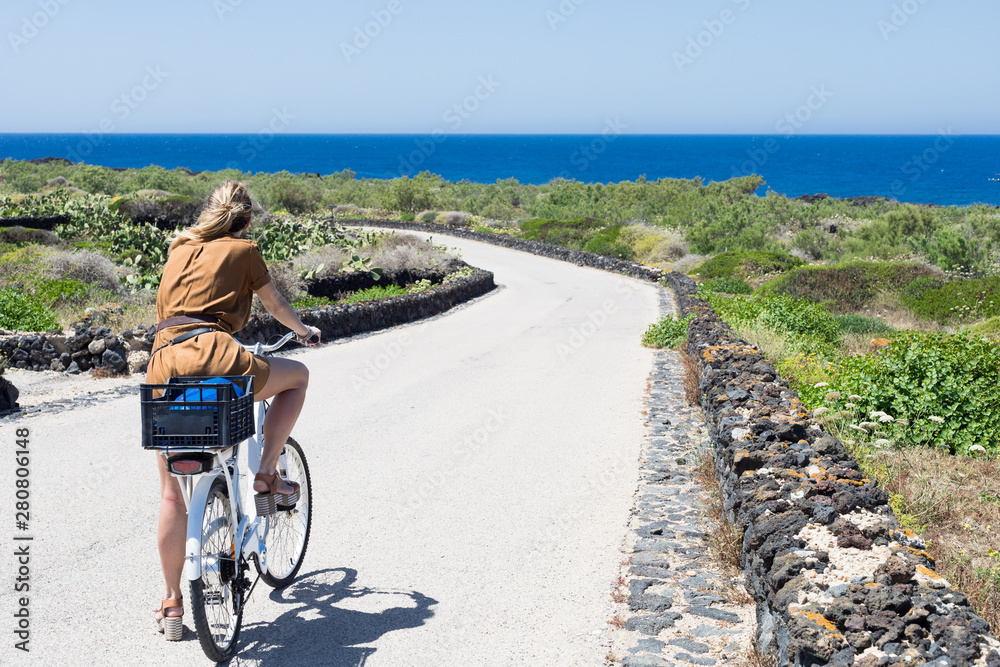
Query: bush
{"x":606,"y":242}
{"x":849,"y":286}
{"x":86,"y":266}
{"x":668,"y":332}
{"x":372,"y":293}
{"x":745,"y":265}
{"x":20,"y":311}
{"x":959,"y":301}
{"x":727,"y":286}
{"x":22,"y":236}
{"x":944,"y":387}
{"x":567,"y":233}
{"x":310,"y":302}
{"x":782,"y":313}
{"x":293,"y":195}
{"x":859,"y":324}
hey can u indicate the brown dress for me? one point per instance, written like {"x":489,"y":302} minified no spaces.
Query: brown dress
{"x":217,"y":278}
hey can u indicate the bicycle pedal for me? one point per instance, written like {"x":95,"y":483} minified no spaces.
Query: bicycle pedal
{"x":214,"y":598}
{"x":265,"y":504}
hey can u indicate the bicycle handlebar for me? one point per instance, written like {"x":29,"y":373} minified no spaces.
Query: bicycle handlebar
{"x":257,"y":348}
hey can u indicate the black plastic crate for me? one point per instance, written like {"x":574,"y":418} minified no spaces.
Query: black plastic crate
{"x":177,"y":415}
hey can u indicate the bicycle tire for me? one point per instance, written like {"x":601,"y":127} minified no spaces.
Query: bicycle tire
{"x":216,"y":598}
{"x":288,"y":530}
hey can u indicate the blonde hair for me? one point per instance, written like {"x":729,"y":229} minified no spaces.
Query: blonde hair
{"x":227,"y":211}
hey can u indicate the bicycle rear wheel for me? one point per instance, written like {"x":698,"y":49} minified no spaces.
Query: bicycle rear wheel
{"x":288,"y":530}
{"x":216,"y":597}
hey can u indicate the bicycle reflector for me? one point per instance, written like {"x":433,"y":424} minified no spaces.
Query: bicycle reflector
{"x":190,"y":464}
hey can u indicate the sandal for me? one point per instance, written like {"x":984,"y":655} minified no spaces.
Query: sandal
{"x":270,"y":501}
{"x":172,"y":627}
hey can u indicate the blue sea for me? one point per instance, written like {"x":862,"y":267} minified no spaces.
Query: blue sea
{"x":939,"y":169}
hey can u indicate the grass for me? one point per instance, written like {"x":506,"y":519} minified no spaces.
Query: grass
{"x":668,"y":332}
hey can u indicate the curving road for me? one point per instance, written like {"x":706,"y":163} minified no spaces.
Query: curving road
{"x":473,"y":476}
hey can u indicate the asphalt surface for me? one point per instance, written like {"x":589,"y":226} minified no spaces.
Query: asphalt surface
{"x":473,"y":476}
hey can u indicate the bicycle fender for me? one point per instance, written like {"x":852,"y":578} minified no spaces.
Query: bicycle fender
{"x":196,"y":518}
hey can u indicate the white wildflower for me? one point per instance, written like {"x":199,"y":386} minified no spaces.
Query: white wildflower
{"x":878,"y":413}
{"x":832,"y":396}
{"x":977,"y":448}
{"x":885,"y":419}
{"x":868,"y":425}
{"x":857,"y":428}
{"x":854,"y":397}
{"x":882,"y":442}
{"x":902,"y":422}
{"x":850,"y":406}
{"x":934,"y":418}
{"x":819,"y":385}
{"x":820,"y":411}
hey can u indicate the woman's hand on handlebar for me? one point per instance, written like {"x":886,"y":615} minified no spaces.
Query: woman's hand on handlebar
{"x":311,"y":338}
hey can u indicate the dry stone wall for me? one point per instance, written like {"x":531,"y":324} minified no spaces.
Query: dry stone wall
{"x":836,"y":579}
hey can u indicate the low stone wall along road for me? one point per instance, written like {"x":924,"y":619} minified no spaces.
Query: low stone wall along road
{"x":473,"y":478}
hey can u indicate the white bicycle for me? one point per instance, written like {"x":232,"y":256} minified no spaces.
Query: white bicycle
{"x":199,"y":426}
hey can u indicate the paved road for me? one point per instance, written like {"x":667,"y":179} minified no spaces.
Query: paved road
{"x":473,"y":479}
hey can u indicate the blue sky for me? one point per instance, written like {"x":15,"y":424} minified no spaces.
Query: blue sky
{"x":402,"y":66}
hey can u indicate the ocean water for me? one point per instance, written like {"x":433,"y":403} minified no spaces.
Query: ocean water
{"x":939,"y":169}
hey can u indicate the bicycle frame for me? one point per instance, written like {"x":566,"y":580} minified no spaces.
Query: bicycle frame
{"x":251,"y":531}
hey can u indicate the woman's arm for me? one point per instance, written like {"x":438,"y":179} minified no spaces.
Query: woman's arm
{"x":275,"y":304}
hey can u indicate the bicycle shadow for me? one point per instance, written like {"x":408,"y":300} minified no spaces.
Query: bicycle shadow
{"x":315,"y":631}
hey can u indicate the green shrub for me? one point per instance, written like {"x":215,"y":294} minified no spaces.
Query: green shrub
{"x":739,"y":264}
{"x":51,"y":292}
{"x":989,"y":328}
{"x":567,"y":233}
{"x":859,"y":324}
{"x":668,"y":332}
{"x":372,"y":293}
{"x":945,"y":388}
{"x":849,"y":286}
{"x":20,"y":311}
{"x":727,"y":286}
{"x":959,"y":301}
{"x":607,"y":242}
{"x":311,"y":302}
{"x":293,"y":194}
{"x":781,"y":313}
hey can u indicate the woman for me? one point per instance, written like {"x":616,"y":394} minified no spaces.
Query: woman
{"x":205,"y":295}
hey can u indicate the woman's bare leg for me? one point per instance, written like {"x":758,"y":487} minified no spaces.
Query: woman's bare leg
{"x":171,"y":532}
{"x":287,"y":383}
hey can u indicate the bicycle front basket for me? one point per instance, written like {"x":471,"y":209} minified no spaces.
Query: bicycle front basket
{"x":197,"y":413}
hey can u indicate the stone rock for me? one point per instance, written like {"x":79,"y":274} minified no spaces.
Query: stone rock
{"x":73,"y":369}
{"x":647,"y":645}
{"x":896,"y":570}
{"x":8,"y":394}
{"x":689,"y":645}
{"x":138,"y":360}
{"x":114,"y":361}
{"x":652,"y":624}
{"x":57,"y":366}
{"x":715,"y":614}
{"x":97,"y":346}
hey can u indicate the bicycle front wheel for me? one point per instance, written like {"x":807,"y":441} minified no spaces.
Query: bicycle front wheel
{"x":287,"y":533}
{"x":216,"y":597}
